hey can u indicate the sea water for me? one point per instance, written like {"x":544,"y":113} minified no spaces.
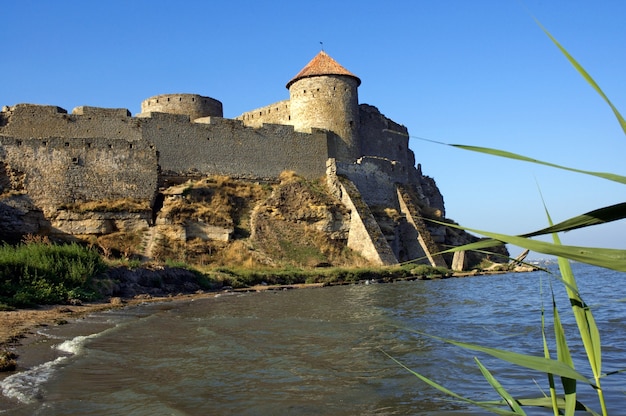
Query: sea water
{"x":320,"y":351}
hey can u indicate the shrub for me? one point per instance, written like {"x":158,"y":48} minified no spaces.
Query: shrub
{"x":41,"y":273}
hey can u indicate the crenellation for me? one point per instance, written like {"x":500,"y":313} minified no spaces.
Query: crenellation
{"x":101,"y":112}
{"x":37,"y":121}
{"x":276,"y":113}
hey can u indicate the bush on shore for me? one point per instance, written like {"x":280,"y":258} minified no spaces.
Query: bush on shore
{"x":41,"y":273}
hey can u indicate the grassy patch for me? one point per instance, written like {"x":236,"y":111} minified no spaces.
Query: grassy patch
{"x":112,"y":205}
{"x":40,"y":273}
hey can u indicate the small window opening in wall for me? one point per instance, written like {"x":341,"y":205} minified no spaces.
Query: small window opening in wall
{"x":157,"y":101}
{"x":45,"y":143}
{"x":208,"y":139}
{"x":130,"y":146}
{"x":351,"y":123}
{"x":193,"y":99}
{"x":18,"y":142}
{"x":288,"y":117}
{"x":304,"y":91}
{"x":168,"y":98}
{"x":318,"y":90}
{"x":75,"y":160}
{"x":260,"y":113}
{"x":180,"y":98}
{"x":110,"y":146}
{"x":88,"y":144}
{"x":67,"y":144}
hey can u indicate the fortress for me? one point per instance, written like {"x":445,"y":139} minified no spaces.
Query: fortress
{"x":51,"y":160}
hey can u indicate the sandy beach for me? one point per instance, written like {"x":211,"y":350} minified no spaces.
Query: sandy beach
{"x":18,"y":324}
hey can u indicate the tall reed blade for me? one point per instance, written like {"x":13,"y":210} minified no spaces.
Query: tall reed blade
{"x":586,"y":76}
{"x":587,"y":327}
{"x":510,"y":401}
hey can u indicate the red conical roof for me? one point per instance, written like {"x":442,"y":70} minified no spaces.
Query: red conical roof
{"x":322,"y":64}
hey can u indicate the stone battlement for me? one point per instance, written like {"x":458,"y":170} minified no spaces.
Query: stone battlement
{"x":193,"y":105}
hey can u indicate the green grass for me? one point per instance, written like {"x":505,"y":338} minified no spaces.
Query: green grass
{"x":40,"y":273}
{"x":240,"y":277}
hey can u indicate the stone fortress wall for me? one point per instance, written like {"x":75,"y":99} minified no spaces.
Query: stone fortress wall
{"x":215,"y":145}
{"x":277,"y":113}
{"x":98,"y":154}
{"x":58,"y":158}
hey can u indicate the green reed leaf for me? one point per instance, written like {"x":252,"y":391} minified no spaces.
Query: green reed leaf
{"x":564,"y":356}
{"x":609,"y":258}
{"x":485,"y":405}
{"x":528,"y":361}
{"x":547,"y":403}
{"x":546,"y":354}
{"x":595,"y":217}
{"x":587,"y":327}
{"x":509,"y":155}
{"x":586,"y":76}
{"x":510,"y":401}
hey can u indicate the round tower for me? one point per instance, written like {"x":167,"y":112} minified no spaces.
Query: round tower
{"x":193,"y":105}
{"x":325,"y":95}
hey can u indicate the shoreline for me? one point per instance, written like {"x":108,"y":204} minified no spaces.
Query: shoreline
{"x":21,"y":324}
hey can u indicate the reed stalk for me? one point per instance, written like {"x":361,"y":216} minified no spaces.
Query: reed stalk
{"x":563,"y":365}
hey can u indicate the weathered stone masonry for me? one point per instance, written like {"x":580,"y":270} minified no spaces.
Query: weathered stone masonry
{"x":215,"y":145}
{"x":58,"y":158}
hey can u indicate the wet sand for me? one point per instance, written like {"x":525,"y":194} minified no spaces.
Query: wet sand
{"x":19,"y":324}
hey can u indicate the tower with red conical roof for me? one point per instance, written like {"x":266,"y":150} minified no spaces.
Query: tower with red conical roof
{"x":325,"y":95}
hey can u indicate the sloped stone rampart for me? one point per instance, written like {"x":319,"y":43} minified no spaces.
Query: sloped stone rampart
{"x":409,"y":208}
{"x":365,"y":235}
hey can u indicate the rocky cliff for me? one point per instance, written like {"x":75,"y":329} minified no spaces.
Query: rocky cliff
{"x":216,"y":220}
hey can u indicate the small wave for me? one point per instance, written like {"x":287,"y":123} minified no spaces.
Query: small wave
{"x":75,"y":345}
{"x":25,"y":386}
{"x":45,"y":334}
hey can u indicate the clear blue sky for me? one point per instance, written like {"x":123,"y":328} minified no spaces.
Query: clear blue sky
{"x":477,"y":72}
